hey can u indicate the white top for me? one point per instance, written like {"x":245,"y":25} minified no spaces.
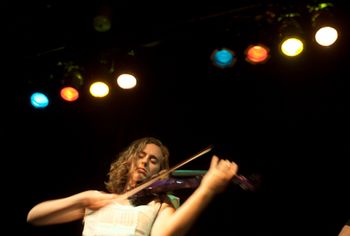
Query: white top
{"x":121,"y":220}
{"x":118,"y":219}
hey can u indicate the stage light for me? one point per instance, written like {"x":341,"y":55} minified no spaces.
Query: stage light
{"x":292,"y":47}
{"x":102,"y":21}
{"x":223,"y":58}
{"x":71,"y":82}
{"x":39,"y":100}
{"x":291,"y":35}
{"x":323,"y":24}
{"x":257,"y":53}
{"x":99,"y":89}
{"x":69,"y":94}
{"x":326,"y":36}
{"x":126,"y":81}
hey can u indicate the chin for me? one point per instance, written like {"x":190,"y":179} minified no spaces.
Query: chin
{"x":140,"y":179}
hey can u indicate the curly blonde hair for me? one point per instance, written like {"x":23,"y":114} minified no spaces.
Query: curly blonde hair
{"x":119,"y":168}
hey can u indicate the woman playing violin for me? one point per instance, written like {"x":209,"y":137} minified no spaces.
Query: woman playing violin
{"x":108,"y":213}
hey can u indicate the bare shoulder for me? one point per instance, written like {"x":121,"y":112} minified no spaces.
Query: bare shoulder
{"x":345,"y":231}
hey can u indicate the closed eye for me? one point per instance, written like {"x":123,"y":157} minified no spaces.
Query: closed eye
{"x":154,"y":160}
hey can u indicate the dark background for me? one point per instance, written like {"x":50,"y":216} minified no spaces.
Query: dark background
{"x":285,"y":121}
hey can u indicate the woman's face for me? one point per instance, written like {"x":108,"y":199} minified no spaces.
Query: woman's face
{"x":147,"y":164}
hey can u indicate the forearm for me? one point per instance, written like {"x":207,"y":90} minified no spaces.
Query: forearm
{"x":185,"y":216}
{"x":56,"y":211}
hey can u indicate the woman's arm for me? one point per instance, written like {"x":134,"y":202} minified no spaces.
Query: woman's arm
{"x":345,"y":231}
{"x":67,"y":209}
{"x":178,"y":222}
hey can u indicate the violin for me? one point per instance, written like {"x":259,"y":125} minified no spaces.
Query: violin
{"x":250,"y":184}
{"x":191,"y":181}
{"x":161,"y":175}
{"x":162,"y":183}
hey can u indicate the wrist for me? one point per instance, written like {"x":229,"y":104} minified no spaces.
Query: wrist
{"x":206,"y":191}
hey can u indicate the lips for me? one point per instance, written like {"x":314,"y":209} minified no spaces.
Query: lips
{"x":142,"y":171}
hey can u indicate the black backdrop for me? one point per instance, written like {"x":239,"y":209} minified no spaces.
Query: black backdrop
{"x":285,"y":121}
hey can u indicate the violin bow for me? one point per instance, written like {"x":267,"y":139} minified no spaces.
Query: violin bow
{"x":163,"y":174}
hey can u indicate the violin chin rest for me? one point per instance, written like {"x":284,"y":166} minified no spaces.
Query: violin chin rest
{"x":174,"y":200}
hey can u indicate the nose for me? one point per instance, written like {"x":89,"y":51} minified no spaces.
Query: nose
{"x":144,"y":161}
